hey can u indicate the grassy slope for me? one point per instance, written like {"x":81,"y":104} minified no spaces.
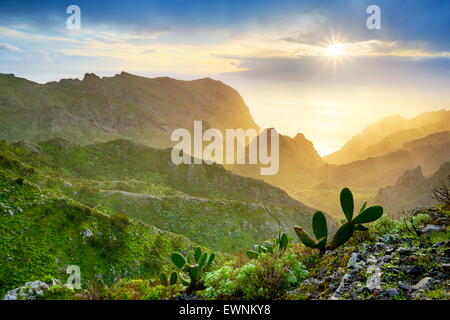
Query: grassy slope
{"x":41,"y":233}
{"x":207,"y":204}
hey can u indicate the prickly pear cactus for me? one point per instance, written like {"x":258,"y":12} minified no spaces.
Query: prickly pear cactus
{"x":345,"y":231}
{"x":194,"y":266}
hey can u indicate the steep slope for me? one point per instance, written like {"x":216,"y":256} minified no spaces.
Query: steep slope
{"x":429,"y":153}
{"x":366,"y":177}
{"x":396,"y":140}
{"x":298,"y":161}
{"x":123,"y":106}
{"x":125,"y":161}
{"x":411,"y":190}
{"x":42,"y":232}
{"x":205,"y":203}
{"x":389,"y":135}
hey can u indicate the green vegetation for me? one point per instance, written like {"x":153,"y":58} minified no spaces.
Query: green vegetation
{"x":278,"y":244}
{"x":195,"y":265}
{"x":42,"y":233}
{"x":206,"y":204}
{"x":57,"y":214}
{"x":266,"y":277}
{"x":345,"y":231}
{"x":168,"y":281}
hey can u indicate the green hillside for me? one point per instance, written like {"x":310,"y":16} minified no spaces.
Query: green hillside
{"x":207,"y":204}
{"x":43,"y":232}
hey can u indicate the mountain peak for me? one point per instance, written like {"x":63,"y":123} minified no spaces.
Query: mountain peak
{"x":411,"y":177}
{"x":90,"y":76}
{"x":300,"y":137}
{"x":125,"y":74}
{"x":146,"y":110}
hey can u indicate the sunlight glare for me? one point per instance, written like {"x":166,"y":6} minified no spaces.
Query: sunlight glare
{"x":335,"y":50}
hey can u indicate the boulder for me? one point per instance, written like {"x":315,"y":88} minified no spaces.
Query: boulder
{"x":423,"y":284}
{"x":430,"y":228}
{"x":30,"y":291}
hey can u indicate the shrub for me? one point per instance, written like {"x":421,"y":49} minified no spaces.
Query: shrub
{"x":221,"y":283}
{"x":58,"y":292}
{"x":441,"y":192}
{"x":278,"y":244}
{"x":126,"y":289}
{"x":269,"y":276}
{"x":386,"y":224}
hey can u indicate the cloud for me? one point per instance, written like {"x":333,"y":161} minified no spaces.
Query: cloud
{"x":377,"y":71}
{"x":8,"y":47}
{"x":149,"y":51}
{"x":412,"y":20}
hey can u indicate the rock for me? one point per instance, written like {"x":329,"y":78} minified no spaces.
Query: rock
{"x":374,"y":281}
{"x":371,"y":259}
{"x":443,"y":276}
{"x":445,"y":243}
{"x":356,"y":261}
{"x":404,"y":251}
{"x":30,"y":291}
{"x":388,"y":238}
{"x":423,"y":284}
{"x":446,"y":266}
{"x":87,"y":233}
{"x":379,"y":246}
{"x":312,"y":281}
{"x":344,"y":286}
{"x":411,"y":270}
{"x":392,"y":293}
{"x":403,"y":286}
{"x":185,"y":296}
{"x":430,"y":228}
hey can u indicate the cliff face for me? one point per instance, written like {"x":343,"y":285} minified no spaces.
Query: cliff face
{"x":298,"y":162}
{"x":411,"y":190}
{"x":123,"y":106}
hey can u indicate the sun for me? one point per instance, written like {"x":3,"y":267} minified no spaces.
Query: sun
{"x":335,"y":50}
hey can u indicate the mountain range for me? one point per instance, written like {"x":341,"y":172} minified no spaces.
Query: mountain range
{"x":412,"y":190}
{"x":124,"y":106}
{"x":389,"y":135}
{"x":86,"y":176}
{"x":205,"y":203}
{"x":145,"y":111}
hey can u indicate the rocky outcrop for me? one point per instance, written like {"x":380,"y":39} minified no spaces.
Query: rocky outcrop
{"x":30,"y":291}
{"x":411,"y":190}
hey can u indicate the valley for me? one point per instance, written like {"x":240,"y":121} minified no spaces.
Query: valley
{"x":90,"y":182}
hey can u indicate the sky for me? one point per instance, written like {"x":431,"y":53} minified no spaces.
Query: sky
{"x":301,"y":66}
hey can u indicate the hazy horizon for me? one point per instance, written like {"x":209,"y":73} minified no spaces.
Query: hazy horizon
{"x":263,"y":122}
{"x":301,"y":66}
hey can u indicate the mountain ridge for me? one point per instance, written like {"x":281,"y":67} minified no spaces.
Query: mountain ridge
{"x":124,"y":106}
{"x":389,"y":134}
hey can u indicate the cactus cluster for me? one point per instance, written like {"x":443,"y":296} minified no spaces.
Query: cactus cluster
{"x":168,"y":281}
{"x":280,"y":243}
{"x":195,"y":265}
{"x":345,"y":231}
